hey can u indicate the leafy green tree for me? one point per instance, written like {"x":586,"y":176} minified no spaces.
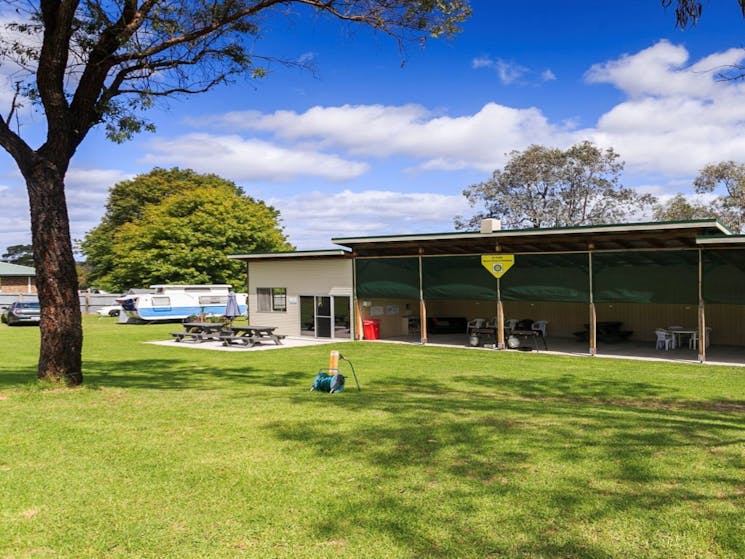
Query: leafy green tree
{"x":103,"y":62}
{"x":548,"y":187}
{"x":126,"y":202}
{"x":83,"y":272}
{"x":727,"y":180}
{"x":23,"y":255}
{"x":185,"y":235}
{"x":680,"y":208}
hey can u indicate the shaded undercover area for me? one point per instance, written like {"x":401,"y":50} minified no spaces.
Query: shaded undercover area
{"x":608,"y":298}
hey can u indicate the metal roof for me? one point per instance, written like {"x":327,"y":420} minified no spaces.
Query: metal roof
{"x":721,"y":240}
{"x":622,"y":236}
{"x":8,"y":269}
{"x":299,"y":254}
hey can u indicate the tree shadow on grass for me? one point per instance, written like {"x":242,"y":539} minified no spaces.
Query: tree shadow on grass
{"x":613,"y":465}
{"x":163,"y":374}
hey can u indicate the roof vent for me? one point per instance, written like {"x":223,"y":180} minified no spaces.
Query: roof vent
{"x":490,"y":225}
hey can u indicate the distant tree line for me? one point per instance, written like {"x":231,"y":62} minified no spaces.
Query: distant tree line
{"x":23,"y":255}
{"x":549,"y":187}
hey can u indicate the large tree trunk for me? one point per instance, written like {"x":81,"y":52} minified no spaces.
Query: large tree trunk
{"x":60,"y":356}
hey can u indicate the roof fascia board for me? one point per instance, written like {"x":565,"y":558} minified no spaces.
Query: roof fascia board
{"x":717,"y":240}
{"x":585,"y":230}
{"x":296,"y":254}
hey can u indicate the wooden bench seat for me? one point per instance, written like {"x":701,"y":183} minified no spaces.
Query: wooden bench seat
{"x":195,"y":336}
{"x":250,"y":341}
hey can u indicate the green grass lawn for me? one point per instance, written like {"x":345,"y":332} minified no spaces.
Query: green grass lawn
{"x":178,"y":452}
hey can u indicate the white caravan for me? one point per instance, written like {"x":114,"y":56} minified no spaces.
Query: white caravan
{"x":164,"y":303}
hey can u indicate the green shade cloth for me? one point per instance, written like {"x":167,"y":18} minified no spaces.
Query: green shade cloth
{"x":533,"y":277}
{"x":562,"y":278}
{"x":664,"y":277}
{"x":724,"y":276}
{"x":457,"y":277}
{"x":393,"y":278}
{"x":667,"y":277}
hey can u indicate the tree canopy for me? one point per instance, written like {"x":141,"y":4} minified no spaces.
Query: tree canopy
{"x":103,"y":62}
{"x":22,"y":255}
{"x":726,"y":180}
{"x":681,"y":208}
{"x":178,"y":226}
{"x":548,"y":187}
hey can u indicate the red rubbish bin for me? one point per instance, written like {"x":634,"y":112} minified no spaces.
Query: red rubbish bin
{"x":371,"y":328}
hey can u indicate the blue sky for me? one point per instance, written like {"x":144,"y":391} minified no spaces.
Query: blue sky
{"x":366,"y":145}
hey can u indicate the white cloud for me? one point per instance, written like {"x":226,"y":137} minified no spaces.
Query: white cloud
{"x":548,"y":75}
{"x":677,"y":118}
{"x":508,"y":72}
{"x":478,"y":141}
{"x":662,"y":70}
{"x":313,"y":218}
{"x":250,"y":159}
{"x":306,"y":58}
{"x":87,"y":190}
{"x":10,"y":72}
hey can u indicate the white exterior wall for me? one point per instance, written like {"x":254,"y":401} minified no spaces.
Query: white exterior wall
{"x":317,"y":276}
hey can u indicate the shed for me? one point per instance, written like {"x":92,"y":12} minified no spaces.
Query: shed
{"x":17,"y":279}
{"x":642,"y":275}
{"x":302,"y":293}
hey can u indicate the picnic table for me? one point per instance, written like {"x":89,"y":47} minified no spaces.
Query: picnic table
{"x":250,"y":335}
{"x":199,"y":332}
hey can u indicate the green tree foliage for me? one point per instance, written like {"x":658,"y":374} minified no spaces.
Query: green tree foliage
{"x":23,"y":255}
{"x":103,"y":62}
{"x":726,"y":179}
{"x":680,"y":208}
{"x":178,"y":226}
{"x":548,"y":187}
{"x":126,"y":203}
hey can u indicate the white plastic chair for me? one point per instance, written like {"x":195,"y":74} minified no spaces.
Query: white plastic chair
{"x":693,"y":340}
{"x":475,"y":323}
{"x":540,"y":326}
{"x":664,"y":339}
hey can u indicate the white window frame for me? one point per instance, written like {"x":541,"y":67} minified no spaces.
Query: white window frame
{"x":271,"y":299}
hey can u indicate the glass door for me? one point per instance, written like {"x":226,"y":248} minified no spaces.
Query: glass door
{"x":342,"y":317}
{"x":307,"y":316}
{"x":325,"y":316}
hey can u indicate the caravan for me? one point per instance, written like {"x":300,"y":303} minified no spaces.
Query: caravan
{"x":163,"y":303}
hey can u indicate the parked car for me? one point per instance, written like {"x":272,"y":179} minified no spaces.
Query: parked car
{"x":110,"y":310}
{"x":23,"y":312}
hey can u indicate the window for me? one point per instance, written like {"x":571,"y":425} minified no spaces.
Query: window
{"x":161,"y":301}
{"x":272,"y":299}
{"x":213,"y":299}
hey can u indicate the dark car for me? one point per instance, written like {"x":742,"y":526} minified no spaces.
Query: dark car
{"x":23,"y":312}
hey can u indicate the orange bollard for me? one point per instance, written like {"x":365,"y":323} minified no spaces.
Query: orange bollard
{"x":333,"y":363}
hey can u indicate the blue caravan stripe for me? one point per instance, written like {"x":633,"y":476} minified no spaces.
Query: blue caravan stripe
{"x":155,"y":313}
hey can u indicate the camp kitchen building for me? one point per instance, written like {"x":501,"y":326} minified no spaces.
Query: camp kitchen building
{"x":419,"y":286}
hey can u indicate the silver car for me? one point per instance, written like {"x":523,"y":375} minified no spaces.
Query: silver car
{"x":23,"y":312}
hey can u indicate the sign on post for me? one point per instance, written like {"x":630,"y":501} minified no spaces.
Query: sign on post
{"x":497,"y":264}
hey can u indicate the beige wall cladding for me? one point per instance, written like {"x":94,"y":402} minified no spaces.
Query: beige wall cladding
{"x":17,"y":284}
{"x":318,"y":276}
